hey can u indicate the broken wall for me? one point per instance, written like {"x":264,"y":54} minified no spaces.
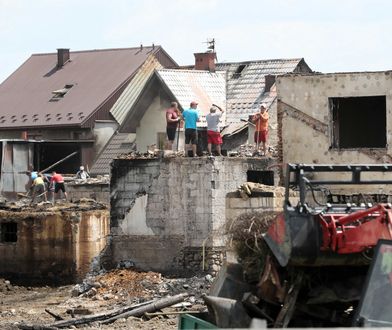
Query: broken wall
{"x":306,"y":119}
{"x":50,"y":247}
{"x":167,"y":213}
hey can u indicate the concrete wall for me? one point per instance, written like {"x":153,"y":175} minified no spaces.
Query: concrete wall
{"x":162,"y":210}
{"x":305,"y":121}
{"x":52,"y":247}
{"x":103,"y":131}
{"x":97,"y":191}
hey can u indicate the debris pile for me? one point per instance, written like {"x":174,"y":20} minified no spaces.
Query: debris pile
{"x":246,"y":233}
{"x":249,"y":150}
{"x":100,"y":179}
{"x":112,"y":296}
{"x":22,"y":208}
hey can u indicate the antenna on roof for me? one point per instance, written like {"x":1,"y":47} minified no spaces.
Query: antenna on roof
{"x":141,"y":46}
{"x":210,"y":45}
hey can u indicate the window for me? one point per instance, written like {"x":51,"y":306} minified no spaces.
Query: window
{"x":358,"y":122}
{"x":59,"y":93}
{"x":263,"y":177}
{"x":8,"y":232}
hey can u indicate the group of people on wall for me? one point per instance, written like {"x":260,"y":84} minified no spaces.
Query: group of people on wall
{"x":175,"y":119}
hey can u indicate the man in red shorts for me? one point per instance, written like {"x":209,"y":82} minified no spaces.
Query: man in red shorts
{"x":58,"y":181}
{"x":213,"y":132}
{"x":261,"y":133}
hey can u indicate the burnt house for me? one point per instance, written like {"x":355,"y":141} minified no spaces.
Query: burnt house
{"x":249,"y":84}
{"x":58,"y":103}
{"x":336,"y":118}
{"x":238,"y":87}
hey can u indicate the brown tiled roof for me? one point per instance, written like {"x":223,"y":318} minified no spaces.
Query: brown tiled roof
{"x":27,"y":98}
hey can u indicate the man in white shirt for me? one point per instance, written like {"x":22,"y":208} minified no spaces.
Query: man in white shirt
{"x":213,"y":131}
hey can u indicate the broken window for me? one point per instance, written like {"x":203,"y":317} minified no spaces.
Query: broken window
{"x":8,"y":232}
{"x":263,"y":177}
{"x":59,"y":93}
{"x":237,"y":72}
{"x":358,"y":122}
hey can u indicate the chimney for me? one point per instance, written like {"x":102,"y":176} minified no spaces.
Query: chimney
{"x":269,"y":81}
{"x":62,"y":56}
{"x":205,"y":61}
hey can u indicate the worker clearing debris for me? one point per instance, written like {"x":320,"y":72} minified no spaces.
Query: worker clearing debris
{"x":39,"y":188}
{"x":57,"y":183}
{"x":260,"y":119}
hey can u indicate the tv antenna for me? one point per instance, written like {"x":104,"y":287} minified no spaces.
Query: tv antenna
{"x":210,"y":45}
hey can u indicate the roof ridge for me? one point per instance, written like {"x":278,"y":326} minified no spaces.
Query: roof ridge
{"x":156,"y":48}
{"x":190,"y":70}
{"x":267,"y":60}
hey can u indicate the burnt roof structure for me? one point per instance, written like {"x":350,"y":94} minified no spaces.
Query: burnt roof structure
{"x":249,"y":84}
{"x":71,"y":88}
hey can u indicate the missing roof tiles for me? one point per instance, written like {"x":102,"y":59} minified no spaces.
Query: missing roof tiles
{"x":239,"y":70}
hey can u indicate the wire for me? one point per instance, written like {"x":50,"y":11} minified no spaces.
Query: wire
{"x":313,"y":195}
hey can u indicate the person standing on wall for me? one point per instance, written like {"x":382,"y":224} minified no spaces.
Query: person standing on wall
{"x":260,"y":119}
{"x":213,"y":133}
{"x":58,"y":181}
{"x":191,"y":117}
{"x":173,"y":117}
{"x":38,"y":188}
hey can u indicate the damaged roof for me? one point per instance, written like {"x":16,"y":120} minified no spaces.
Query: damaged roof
{"x":41,"y":94}
{"x":246,"y":84}
{"x":205,"y":87}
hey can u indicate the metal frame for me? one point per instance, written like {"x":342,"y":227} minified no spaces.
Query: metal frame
{"x":300,"y":180}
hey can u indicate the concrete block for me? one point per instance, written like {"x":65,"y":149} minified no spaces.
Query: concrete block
{"x":239,"y":203}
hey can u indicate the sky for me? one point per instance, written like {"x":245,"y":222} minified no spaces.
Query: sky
{"x":332,"y":35}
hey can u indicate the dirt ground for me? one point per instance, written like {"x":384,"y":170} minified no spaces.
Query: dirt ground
{"x":106,"y":292}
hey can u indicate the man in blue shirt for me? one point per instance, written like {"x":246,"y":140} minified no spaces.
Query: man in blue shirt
{"x":191,"y":117}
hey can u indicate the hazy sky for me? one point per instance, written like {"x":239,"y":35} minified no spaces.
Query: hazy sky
{"x":332,"y":35}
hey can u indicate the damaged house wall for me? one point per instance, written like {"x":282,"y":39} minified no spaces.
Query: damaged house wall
{"x":335,"y":118}
{"x":50,"y":247}
{"x":163,"y":211}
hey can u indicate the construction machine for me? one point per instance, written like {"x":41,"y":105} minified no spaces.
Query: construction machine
{"x":321,"y":245}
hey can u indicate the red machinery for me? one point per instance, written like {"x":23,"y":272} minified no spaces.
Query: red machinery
{"x":325,"y":234}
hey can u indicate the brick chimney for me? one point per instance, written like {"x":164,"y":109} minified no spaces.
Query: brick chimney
{"x":62,"y":56}
{"x":269,"y":81}
{"x":205,"y":61}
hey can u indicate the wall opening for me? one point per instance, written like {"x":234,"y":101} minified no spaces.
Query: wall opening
{"x":47,"y":154}
{"x":8,"y":232}
{"x":358,"y":122}
{"x":263,"y":177}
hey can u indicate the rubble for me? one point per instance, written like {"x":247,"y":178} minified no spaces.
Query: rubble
{"x":248,"y":150}
{"x":23,"y":208}
{"x":99,"y":179}
{"x":104,"y":293}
